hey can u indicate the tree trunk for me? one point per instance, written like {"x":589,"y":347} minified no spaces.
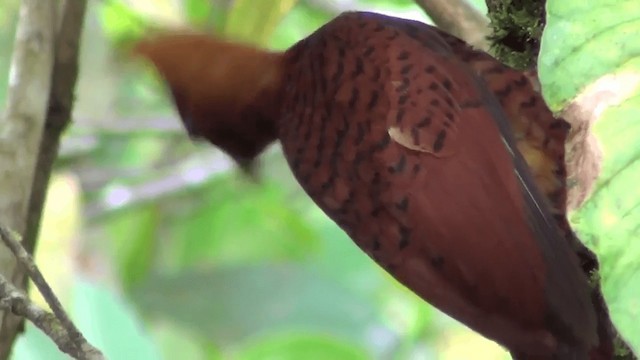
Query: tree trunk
{"x":39,"y":101}
{"x":21,"y":132}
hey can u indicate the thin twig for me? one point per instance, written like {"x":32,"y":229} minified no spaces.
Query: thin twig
{"x":19,"y":304}
{"x":58,"y":326}
{"x":12,"y":241}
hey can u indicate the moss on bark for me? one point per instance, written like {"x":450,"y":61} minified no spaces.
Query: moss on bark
{"x":516,"y":30}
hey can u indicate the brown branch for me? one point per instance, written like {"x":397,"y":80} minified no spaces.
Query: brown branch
{"x":58,"y":326}
{"x":459,"y":18}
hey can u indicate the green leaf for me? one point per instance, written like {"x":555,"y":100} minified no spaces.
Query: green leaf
{"x":240,"y":222}
{"x":110,"y":324}
{"x":229,"y":304}
{"x":120,"y":23}
{"x":179,"y":343}
{"x":254,"y":21}
{"x":584,"y":40}
{"x":299,"y":23}
{"x":610,"y":220}
{"x":133,"y":241}
{"x":198,"y":12}
{"x":296,"y":345}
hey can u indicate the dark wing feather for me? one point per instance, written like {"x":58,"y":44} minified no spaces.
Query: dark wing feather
{"x":539,"y":135}
{"x":567,"y":288}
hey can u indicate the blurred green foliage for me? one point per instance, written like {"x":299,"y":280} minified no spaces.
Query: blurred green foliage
{"x":178,"y":257}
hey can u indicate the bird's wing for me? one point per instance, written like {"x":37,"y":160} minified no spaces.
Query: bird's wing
{"x":539,"y":135}
{"x":476,"y":217}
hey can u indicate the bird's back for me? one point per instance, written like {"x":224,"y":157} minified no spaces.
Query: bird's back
{"x":405,"y":148}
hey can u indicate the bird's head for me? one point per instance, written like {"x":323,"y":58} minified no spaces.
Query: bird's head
{"x":225,"y":92}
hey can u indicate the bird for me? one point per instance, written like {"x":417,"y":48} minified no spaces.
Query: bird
{"x":440,"y":163}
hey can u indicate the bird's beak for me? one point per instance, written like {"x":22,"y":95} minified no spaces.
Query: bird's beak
{"x":249,"y":168}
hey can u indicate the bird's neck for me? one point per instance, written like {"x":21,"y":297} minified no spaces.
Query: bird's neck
{"x":255,"y":84}
{"x":264,"y":100}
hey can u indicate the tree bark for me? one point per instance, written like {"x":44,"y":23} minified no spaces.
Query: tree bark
{"x":20,"y":134}
{"x":516,"y":27}
{"x":61,"y":97}
{"x":43,"y":75}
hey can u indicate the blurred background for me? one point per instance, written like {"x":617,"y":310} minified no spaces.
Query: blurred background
{"x":160,"y":250}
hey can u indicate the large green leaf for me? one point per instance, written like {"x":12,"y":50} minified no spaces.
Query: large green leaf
{"x":230,"y":304}
{"x":120,"y":22}
{"x":583,"y":42}
{"x":609,"y":222}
